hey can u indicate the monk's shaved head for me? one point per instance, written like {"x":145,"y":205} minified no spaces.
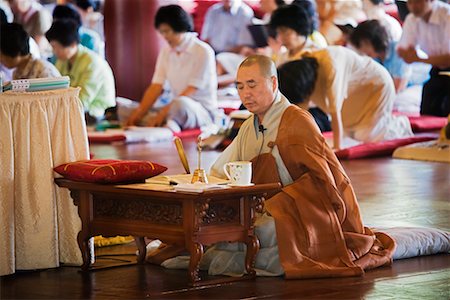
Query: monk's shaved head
{"x":266,"y":65}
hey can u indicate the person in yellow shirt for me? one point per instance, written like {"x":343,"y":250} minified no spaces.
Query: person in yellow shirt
{"x":86,"y":69}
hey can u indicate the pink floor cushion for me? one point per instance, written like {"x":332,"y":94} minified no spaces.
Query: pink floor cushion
{"x":427,"y":123}
{"x":383,"y":148}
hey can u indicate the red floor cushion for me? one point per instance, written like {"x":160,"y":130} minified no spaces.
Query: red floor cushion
{"x":105,"y":138}
{"x":427,"y":123}
{"x":384,"y":148}
{"x":187,"y":133}
{"x":109,"y":170}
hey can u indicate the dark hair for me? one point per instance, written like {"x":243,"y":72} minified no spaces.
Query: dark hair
{"x":174,"y":16}
{"x":63,"y":31}
{"x":373,"y":32}
{"x":85,"y":4}
{"x":67,"y":12}
{"x":376,"y":2}
{"x":294,"y":17}
{"x":311,"y":8}
{"x":14,"y":40}
{"x":297,"y":79}
{"x":3,"y":17}
{"x":280,"y":2}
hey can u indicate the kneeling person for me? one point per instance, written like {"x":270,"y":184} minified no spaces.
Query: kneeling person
{"x":318,"y":223}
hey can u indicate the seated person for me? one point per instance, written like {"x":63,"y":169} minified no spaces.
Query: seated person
{"x":427,"y":27}
{"x":294,"y":27}
{"x":35,"y":20}
{"x":88,"y":38}
{"x":374,"y":10}
{"x":15,"y":53}
{"x":371,"y":38}
{"x":86,"y":69}
{"x":311,"y":8}
{"x":333,"y":12}
{"x":318,"y":224}
{"x":187,"y":65}
{"x":225,"y":26}
{"x":90,"y":16}
{"x":357,"y":93}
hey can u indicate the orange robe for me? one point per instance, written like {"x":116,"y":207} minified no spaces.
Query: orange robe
{"x":318,"y":224}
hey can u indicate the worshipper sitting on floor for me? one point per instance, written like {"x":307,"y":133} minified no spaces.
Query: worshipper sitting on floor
{"x":357,"y":93}
{"x":319,"y":229}
{"x":90,"y":16}
{"x":294,"y":27}
{"x":88,"y":38}
{"x":228,"y":62}
{"x":15,"y":53}
{"x":371,"y":38}
{"x":35,"y":20}
{"x":193,"y":86}
{"x":86,"y":69}
{"x":374,"y":10}
{"x":225,"y":27}
{"x":428,"y":27}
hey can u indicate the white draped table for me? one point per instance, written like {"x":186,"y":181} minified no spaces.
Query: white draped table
{"x":38,"y":221}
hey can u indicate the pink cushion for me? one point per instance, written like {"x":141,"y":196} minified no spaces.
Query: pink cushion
{"x":384,"y":148}
{"x":109,"y":170}
{"x":427,"y":123}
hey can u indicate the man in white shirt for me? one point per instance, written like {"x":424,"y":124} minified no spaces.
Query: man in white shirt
{"x":428,"y":27}
{"x":188,"y":66}
{"x":374,"y":10}
{"x":225,"y":26}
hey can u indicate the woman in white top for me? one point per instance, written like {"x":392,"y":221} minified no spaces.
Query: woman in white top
{"x":187,"y":65}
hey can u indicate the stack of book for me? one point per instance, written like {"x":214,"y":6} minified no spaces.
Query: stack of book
{"x":37,"y":84}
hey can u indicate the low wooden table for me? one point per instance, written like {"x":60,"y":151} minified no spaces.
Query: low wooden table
{"x":184,"y":221}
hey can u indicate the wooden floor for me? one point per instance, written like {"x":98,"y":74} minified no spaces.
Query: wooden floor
{"x":390,"y":192}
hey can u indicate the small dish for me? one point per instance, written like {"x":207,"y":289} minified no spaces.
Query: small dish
{"x":240,"y":185}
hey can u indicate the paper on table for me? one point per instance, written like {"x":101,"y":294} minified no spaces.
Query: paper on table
{"x":183,"y":178}
{"x":198,"y":187}
{"x":147,"y":186}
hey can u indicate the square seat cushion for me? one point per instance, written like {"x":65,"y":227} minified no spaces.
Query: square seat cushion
{"x":109,"y":170}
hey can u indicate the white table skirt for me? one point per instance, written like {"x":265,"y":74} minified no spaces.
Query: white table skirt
{"x":38,"y":221}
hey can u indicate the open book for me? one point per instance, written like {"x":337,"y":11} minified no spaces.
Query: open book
{"x":183,"y":179}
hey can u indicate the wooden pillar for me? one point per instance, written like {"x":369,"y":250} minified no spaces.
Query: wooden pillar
{"x":132,"y":44}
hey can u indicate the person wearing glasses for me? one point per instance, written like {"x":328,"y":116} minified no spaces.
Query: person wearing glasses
{"x":193,"y":101}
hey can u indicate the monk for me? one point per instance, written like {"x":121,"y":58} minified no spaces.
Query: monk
{"x":318,"y":224}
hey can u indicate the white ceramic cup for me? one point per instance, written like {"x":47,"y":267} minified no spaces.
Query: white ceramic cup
{"x":240,"y":172}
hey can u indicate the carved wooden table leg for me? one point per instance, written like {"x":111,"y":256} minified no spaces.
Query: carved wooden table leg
{"x":142,"y":248}
{"x":250,"y":257}
{"x":196,"y":256}
{"x":83,"y":243}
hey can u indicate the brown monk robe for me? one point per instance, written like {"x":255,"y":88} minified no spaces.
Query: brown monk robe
{"x":319,"y":227}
